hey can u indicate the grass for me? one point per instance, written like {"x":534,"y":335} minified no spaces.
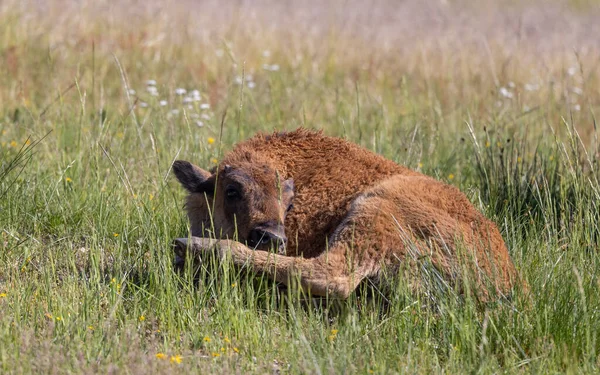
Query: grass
{"x":491,"y":97}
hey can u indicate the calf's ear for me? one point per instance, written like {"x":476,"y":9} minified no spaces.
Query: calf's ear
{"x":194,"y":179}
{"x":287,"y":191}
{"x":288,"y":185}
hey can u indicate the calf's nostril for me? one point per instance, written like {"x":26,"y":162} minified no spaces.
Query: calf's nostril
{"x":256,"y":237}
{"x":265,"y":238}
{"x":259,"y":237}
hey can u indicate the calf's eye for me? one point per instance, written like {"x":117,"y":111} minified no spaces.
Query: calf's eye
{"x":290,"y":207}
{"x":232,"y":193}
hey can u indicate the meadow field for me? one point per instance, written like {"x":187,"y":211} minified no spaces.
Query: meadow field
{"x":98,"y":98}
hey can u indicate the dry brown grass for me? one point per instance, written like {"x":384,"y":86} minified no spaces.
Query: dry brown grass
{"x":453,"y":57}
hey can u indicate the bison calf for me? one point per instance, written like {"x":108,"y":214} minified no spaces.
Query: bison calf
{"x":336,"y":214}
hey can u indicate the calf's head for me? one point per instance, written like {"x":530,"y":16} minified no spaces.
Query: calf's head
{"x":246,"y":201}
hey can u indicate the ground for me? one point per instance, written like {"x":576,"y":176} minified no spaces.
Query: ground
{"x":97,"y":99}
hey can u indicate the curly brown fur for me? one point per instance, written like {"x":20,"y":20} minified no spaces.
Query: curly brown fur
{"x":354,"y":213}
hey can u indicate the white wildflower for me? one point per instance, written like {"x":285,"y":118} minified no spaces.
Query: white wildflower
{"x":504,"y":92}
{"x":238,"y":80}
{"x":577,"y":107}
{"x":251,"y":85}
{"x":532,"y":87}
{"x":187,"y":99}
{"x":175,"y":112}
{"x":151,"y":82}
{"x":163,"y":103}
{"x":180,"y":91}
{"x":143,"y":104}
{"x":131,"y":92}
{"x":152,"y":90}
{"x":511,"y":84}
{"x":572,"y":70}
{"x":199,"y":124}
{"x":204,"y":106}
{"x":266,"y":53}
{"x":204,"y":116}
{"x":272,"y":68}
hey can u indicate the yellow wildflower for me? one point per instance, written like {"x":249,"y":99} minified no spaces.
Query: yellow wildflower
{"x":161,"y":355}
{"x":333,"y":334}
{"x":150,"y":196}
{"x":68,"y":179}
{"x":215,"y":354}
{"x":59,"y":318}
{"x":214,"y":161}
{"x":211,"y":140}
{"x":227,"y":340}
{"x":116,"y":234}
{"x":13,"y":144}
{"x":236,"y":349}
{"x":487,"y":144}
{"x":206,"y":339}
{"x":48,"y":315}
{"x":451,"y":176}
{"x":91,"y":328}
{"x":222,"y":349}
{"x":2,"y":295}
{"x":142,"y":318}
{"x":175,"y":359}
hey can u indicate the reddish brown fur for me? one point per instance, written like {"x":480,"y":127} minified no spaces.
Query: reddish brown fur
{"x":354,"y":213}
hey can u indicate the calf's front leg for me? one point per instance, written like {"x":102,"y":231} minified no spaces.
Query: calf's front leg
{"x":327,"y":275}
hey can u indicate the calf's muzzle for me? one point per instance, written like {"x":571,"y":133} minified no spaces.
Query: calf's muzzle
{"x":267,"y":236}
